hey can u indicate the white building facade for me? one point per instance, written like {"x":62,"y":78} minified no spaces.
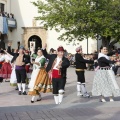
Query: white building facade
{"x":28,"y":29}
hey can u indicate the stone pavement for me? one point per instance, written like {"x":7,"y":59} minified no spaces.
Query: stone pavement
{"x":16,"y":107}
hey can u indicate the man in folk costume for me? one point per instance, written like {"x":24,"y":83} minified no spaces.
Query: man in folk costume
{"x":20,"y":60}
{"x":58,"y":65}
{"x":80,"y":70}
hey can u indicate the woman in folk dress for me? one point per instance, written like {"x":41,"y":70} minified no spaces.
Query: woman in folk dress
{"x":104,"y":83}
{"x":6,"y":69}
{"x":40,"y":81}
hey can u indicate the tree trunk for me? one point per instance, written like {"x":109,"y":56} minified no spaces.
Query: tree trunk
{"x":106,"y":41}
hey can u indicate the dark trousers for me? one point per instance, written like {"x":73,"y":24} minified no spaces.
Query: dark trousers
{"x":58,"y":84}
{"x":21,"y":75}
{"x":1,"y":79}
{"x":80,"y":76}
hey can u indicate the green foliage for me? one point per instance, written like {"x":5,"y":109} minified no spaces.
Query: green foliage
{"x":81,"y":18}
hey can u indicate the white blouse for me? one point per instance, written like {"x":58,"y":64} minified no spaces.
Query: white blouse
{"x":57,"y":63}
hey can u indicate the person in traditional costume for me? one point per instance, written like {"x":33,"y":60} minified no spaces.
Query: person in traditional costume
{"x":80,"y":63}
{"x":104,"y":83}
{"x":5,"y":72}
{"x":21,"y":60}
{"x":13,"y":78}
{"x":57,"y":66}
{"x":40,"y":81}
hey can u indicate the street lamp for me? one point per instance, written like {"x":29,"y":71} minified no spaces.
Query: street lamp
{"x":97,"y":42}
{"x":87,"y":45}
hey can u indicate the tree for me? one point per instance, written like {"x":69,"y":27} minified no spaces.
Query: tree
{"x":82,"y":19}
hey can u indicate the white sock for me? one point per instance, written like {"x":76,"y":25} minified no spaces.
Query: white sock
{"x":56,"y":99}
{"x":60,"y":98}
{"x":19,"y":86}
{"x":83,"y":89}
{"x":61,"y":91}
{"x":23,"y":87}
{"x":33,"y":98}
{"x":78,"y":87}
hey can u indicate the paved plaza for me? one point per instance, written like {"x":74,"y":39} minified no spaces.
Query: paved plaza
{"x":19,"y":107}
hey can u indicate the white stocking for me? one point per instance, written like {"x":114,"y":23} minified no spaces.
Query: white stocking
{"x":61,"y":92}
{"x":33,"y":98}
{"x":56,"y":99}
{"x":23,"y":87}
{"x":19,"y":86}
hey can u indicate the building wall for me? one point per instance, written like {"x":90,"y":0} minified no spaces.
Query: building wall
{"x":53,"y":42}
{"x":24,"y":12}
{"x":117,"y":45}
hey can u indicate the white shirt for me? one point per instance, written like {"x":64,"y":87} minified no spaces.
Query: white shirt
{"x":103,"y":55}
{"x":2,"y":58}
{"x":5,"y":57}
{"x":58,"y":61}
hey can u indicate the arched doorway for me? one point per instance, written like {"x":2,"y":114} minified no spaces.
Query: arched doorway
{"x":37,"y":40}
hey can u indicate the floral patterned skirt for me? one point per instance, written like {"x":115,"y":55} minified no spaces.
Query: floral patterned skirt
{"x":39,"y":82}
{"x":104,"y":84}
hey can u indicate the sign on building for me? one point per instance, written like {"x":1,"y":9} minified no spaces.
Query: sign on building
{"x":12,"y":22}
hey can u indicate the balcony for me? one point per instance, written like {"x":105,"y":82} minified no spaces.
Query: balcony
{"x":7,"y":21}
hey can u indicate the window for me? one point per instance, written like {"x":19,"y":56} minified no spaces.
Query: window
{"x":2,"y":7}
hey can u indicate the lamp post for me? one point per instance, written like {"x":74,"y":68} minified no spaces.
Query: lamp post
{"x":87,"y":45}
{"x":97,"y":42}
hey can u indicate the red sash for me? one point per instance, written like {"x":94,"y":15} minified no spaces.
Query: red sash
{"x":53,"y":73}
{"x":56,"y":73}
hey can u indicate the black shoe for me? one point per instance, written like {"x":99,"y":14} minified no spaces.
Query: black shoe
{"x":39,"y":99}
{"x":24,"y":93}
{"x":32,"y":101}
{"x":7,"y":81}
{"x":19,"y":93}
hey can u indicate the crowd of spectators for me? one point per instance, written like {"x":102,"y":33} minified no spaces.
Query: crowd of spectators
{"x":114,"y":56}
